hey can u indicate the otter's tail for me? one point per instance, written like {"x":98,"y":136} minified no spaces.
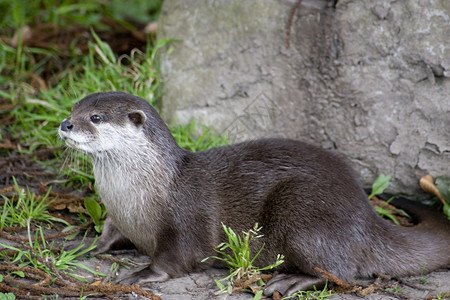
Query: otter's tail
{"x":412,"y":250}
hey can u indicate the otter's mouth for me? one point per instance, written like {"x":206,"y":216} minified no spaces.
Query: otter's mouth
{"x":81,"y":146}
{"x":72,"y":143}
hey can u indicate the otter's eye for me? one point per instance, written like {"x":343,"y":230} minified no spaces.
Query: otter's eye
{"x":96,"y":119}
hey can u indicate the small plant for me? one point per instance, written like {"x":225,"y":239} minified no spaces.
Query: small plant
{"x":41,"y":255}
{"x":6,"y":296}
{"x":188,"y":137}
{"x":25,"y":209}
{"x":422,"y":279}
{"x":240,"y":261}
{"x":307,"y":295}
{"x":386,"y":213}
{"x":441,"y":295}
{"x":397,"y":289}
{"x":258,"y":295}
{"x":378,"y":187}
{"x":96,"y":211}
{"x":440,"y":188}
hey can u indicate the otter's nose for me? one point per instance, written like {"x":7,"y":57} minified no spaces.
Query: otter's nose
{"x":66,"y":126}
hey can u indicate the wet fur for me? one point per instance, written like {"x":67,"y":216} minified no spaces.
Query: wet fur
{"x":169,"y":202}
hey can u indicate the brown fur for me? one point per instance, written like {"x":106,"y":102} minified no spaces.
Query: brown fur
{"x":169,"y":202}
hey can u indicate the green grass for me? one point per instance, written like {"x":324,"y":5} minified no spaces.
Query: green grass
{"x":442,"y":295}
{"x":69,"y":13}
{"x":188,"y":138}
{"x":40,"y":255}
{"x":237,"y":255}
{"x":397,"y":289}
{"x":20,"y":211}
{"x":30,"y":211}
{"x":422,"y":278}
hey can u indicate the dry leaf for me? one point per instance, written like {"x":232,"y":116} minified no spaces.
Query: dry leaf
{"x":97,"y":283}
{"x":426,"y":183}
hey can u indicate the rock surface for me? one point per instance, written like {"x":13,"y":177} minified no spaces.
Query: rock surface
{"x":201,"y":286}
{"x":368,"y":78}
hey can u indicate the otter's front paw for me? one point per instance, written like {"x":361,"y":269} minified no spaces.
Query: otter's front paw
{"x":149,"y":274}
{"x":111,"y":239}
{"x":288,"y":284}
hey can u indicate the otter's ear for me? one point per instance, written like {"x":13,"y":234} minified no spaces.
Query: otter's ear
{"x":137,"y":117}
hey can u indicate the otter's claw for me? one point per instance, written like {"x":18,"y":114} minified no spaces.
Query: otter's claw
{"x":149,"y":274}
{"x":288,"y":284}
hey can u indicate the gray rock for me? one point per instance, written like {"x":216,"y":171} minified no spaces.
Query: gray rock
{"x":368,"y":78}
{"x":201,"y":285}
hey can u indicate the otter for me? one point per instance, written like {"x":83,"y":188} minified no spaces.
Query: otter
{"x":170,"y":202}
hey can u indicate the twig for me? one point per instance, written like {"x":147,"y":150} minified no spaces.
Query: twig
{"x":22,"y":240}
{"x":66,"y":198}
{"x":7,"y":189}
{"x":115,"y":260}
{"x":289,"y":22}
{"x":36,"y":274}
{"x":331,"y":277}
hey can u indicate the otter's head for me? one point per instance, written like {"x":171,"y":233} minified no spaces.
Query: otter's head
{"x":111,"y":122}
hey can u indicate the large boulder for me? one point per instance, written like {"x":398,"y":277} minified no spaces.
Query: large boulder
{"x":369,"y":78}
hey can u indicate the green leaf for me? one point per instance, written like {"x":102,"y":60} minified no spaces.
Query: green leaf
{"x":447,"y":210}
{"x":19,"y":273}
{"x":219,"y":284}
{"x":93,"y":209}
{"x":380,"y":184}
{"x":443,"y":185}
{"x":386,"y":213}
{"x":258,"y":295}
{"x":7,"y":296}
{"x":99,"y":228}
